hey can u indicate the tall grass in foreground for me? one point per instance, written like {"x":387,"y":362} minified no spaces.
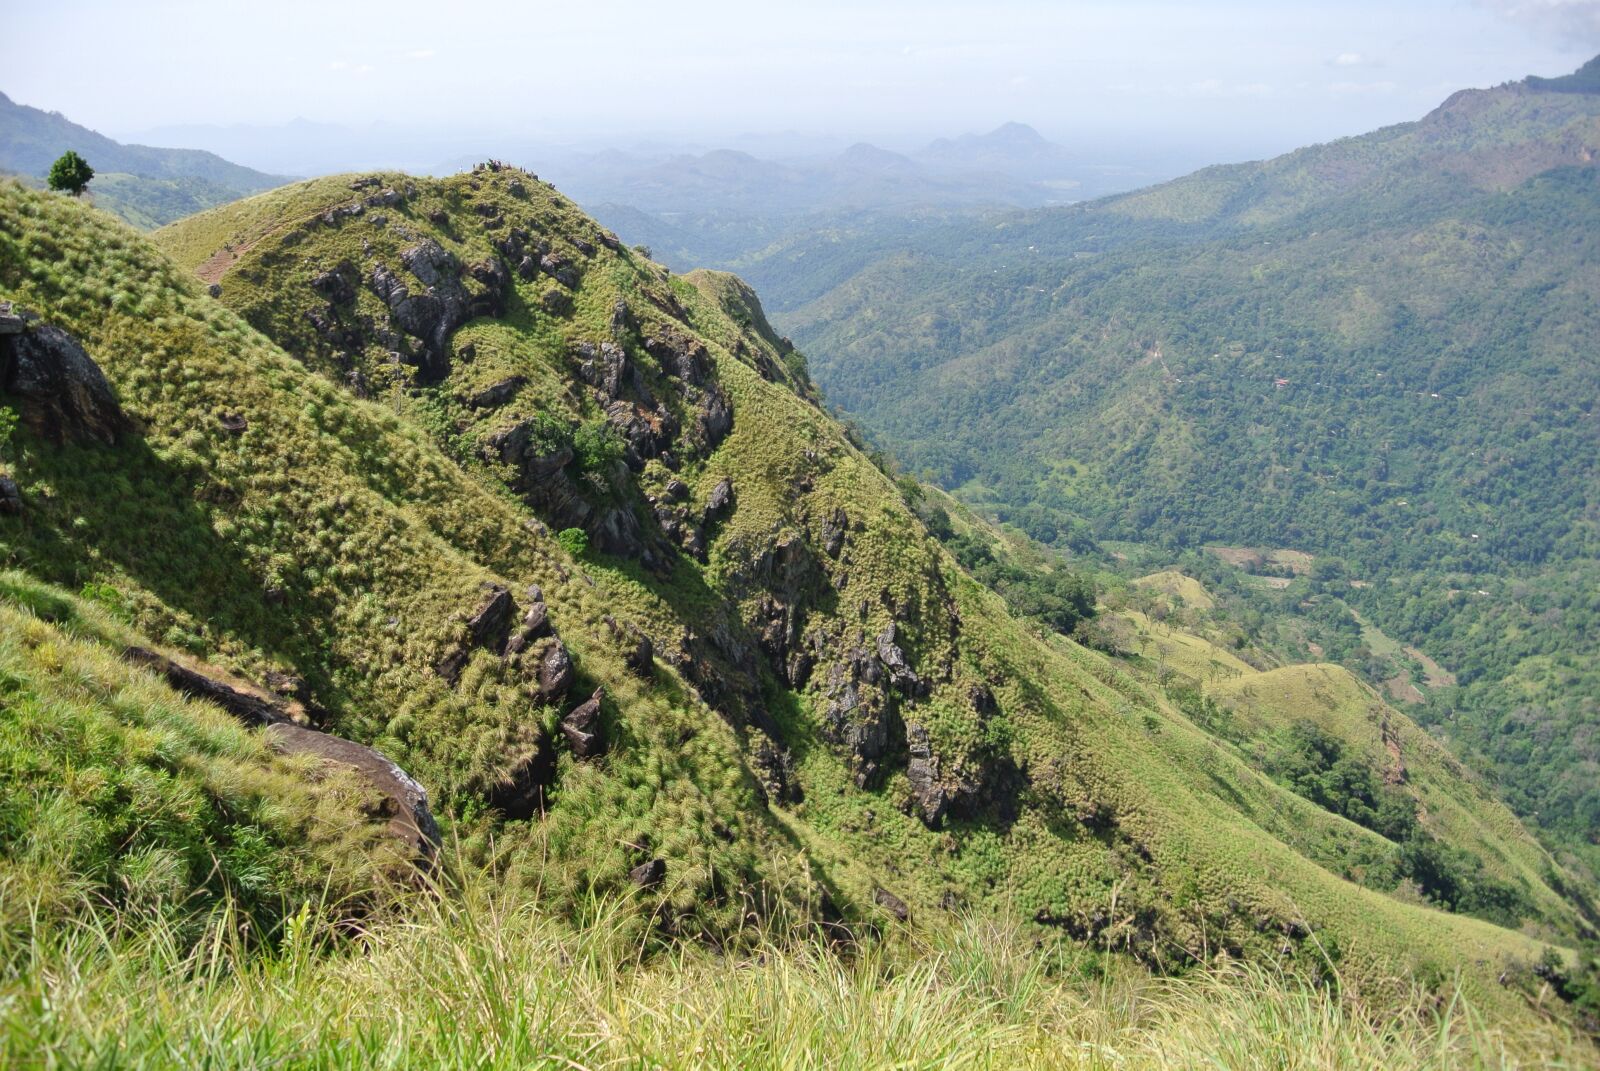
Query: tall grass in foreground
{"x":480,"y":980}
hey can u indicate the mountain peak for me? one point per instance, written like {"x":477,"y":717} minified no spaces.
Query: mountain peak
{"x":1014,"y":133}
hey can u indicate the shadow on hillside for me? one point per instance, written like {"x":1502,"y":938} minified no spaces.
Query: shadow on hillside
{"x":99,"y":512}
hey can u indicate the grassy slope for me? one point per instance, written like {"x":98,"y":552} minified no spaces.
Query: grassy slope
{"x":122,"y":795}
{"x":1133,"y":824}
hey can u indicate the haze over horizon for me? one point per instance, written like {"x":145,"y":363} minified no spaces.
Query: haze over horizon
{"x":1252,"y":78}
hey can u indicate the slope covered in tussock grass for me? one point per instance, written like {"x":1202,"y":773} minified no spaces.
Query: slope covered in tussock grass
{"x":485,"y":981}
{"x":830,"y":709}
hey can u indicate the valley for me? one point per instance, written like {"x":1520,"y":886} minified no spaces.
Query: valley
{"x":989,"y":629}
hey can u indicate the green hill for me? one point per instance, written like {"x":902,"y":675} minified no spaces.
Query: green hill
{"x":143,"y":185}
{"x":569,"y":539}
{"x":1373,"y":351}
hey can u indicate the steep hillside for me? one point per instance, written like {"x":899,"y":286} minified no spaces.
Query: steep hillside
{"x":1372,"y":351}
{"x":1320,"y":731}
{"x":143,"y":185}
{"x":569,"y":539}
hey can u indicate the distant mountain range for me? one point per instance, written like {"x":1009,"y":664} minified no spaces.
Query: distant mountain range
{"x":1378,"y":351}
{"x":144,"y":185}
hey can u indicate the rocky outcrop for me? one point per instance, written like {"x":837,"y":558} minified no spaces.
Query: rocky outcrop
{"x":59,"y":391}
{"x":582,"y":727}
{"x":403,"y":804}
{"x":497,"y":394}
{"x":554,"y":671}
{"x":606,"y":368}
{"x":432,"y":316}
{"x":542,"y":481}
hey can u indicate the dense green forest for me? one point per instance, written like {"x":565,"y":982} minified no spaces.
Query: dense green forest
{"x":1377,"y":351}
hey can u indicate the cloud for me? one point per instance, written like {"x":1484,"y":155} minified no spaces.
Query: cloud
{"x":1349,"y":59}
{"x":1572,"y":23}
{"x":421,"y":54}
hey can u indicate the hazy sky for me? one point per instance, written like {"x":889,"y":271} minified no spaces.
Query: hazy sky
{"x":1272,"y":72}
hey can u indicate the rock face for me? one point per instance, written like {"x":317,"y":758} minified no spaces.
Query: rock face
{"x":433,"y":315}
{"x":404,"y":803}
{"x":61,"y":393}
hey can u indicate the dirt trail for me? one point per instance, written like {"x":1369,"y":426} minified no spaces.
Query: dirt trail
{"x":217,"y":264}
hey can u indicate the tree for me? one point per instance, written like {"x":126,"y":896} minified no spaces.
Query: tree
{"x":70,"y":173}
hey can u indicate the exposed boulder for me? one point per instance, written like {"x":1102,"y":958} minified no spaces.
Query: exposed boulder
{"x":61,"y":393}
{"x":404,"y":803}
{"x":720,"y":499}
{"x":560,"y":269}
{"x":646,"y":433}
{"x":649,"y":875}
{"x":605,"y":367}
{"x":892,"y":904}
{"x":834,"y":527}
{"x":894,"y":660}
{"x":490,"y":620}
{"x":922,"y":770}
{"x":680,"y":357}
{"x":713,"y":418}
{"x":432,"y":317}
{"x":337,"y":286}
{"x":555,"y":672}
{"x":583,"y":729}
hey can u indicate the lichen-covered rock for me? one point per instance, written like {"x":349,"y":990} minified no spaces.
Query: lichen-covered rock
{"x":554,"y":673}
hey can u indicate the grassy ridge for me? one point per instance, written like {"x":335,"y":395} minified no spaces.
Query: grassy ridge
{"x":343,"y":539}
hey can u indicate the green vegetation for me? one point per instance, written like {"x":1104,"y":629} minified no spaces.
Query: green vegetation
{"x":1350,"y":351}
{"x":832,"y":716}
{"x":70,"y":173}
{"x":144,"y":186}
{"x":483,"y":980}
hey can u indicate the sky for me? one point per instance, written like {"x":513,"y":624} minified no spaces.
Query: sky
{"x":1242,"y":75}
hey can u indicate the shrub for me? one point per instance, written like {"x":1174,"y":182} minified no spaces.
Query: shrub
{"x":575,"y":541}
{"x":598,"y":446}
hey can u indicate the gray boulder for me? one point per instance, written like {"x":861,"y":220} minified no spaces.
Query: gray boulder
{"x":62,"y":394}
